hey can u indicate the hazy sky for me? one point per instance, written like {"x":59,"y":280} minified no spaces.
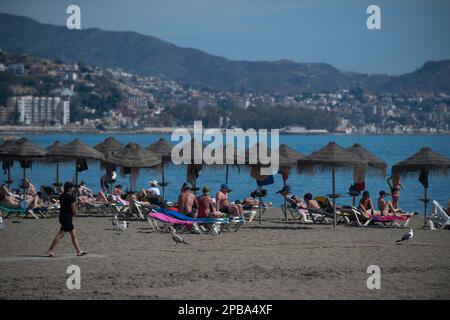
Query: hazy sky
{"x":331,"y":31}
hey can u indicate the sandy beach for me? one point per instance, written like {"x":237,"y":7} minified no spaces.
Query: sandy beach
{"x":275,"y":260}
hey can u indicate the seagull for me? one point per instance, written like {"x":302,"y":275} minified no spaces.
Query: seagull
{"x":175,"y":237}
{"x":117,"y":225}
{"x":215,"y":230}
{"x":407,"y":236}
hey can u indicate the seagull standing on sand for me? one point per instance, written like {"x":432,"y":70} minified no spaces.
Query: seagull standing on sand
{"x":407,"y":236}
{"x":175,"y":237}
{"x":117,"y":226}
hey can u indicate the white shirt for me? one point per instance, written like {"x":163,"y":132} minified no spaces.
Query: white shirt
{"x":154,"y":191}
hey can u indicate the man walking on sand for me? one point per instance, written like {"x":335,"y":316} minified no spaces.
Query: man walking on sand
{"x":68,"y":210}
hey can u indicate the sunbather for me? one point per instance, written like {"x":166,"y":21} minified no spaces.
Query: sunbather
{"x":31,"y":190}
{"x":253,"y":202}
{"x":13,"y":200}
{"x":85,"y":195}
{"x":187,"y":202}
{"x":395,"y":187}
{"x":310,"y":202}
{"x":295,"y":202}
{"x":118,"y":190}
{"x":206,"y":207}
{"x":386,"y":207}
{"x":366,"y":204}
{"x":223,"y":204}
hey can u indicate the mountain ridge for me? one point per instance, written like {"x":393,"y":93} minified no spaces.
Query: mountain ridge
{"x":149,"y":55}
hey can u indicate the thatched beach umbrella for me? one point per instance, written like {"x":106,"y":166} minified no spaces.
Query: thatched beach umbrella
{"x":7,"y":164}
{"x":108,"y":145}
{"x":51,"y":150}
{"x":163,"y":148}
{"x":132,"y":156}
{"x":78,"y":151}
{"x":374,"y":164}
{"x":24,"y":151}
{"x":331,"y":157}
{"x":423,"y":162}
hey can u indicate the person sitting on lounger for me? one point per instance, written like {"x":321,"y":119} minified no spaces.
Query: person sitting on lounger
{"x":187,"y":202}
{"x":206,"y":207}
{"x":310,"y":202}
{"x":31,"y":190}
{"x":295,"y":202}
{"x":85,"y":195}
{"x":13,"y":200}
{"x":386,"y":207}
{"x":366,"y":204}
{"x":118,"y":190}
{"x":223,"y":204}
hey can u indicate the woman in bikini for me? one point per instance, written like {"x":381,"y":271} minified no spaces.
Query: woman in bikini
{"x":395,"y":187}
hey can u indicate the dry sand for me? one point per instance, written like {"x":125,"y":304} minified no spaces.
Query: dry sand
{"x":275,"y":260}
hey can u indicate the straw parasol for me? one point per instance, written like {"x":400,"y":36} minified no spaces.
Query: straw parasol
{"x":330,"y":157}
{"x":76,"y":150}
{"x":51,"y":150}
{"x":24,"y":151}
{"x":7,"y":164}
{"x":163,"y":148}
{"x":134,"y":157}
{"x":375,"y":164}
{"x":424,"y":161}
{"x":108,"y":145}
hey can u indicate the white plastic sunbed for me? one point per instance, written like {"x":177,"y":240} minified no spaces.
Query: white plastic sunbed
{"x":438,"y":216}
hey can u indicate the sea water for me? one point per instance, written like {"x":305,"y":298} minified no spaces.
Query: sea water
{"x":390,"y":148}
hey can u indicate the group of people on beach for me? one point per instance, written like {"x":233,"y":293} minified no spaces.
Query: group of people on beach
{"x":202,"y":206}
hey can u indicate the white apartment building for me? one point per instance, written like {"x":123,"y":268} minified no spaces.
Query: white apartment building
{"x":38,"y":110}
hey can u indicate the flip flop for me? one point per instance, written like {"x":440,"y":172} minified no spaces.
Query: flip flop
{"x":51,"y":254}
{"x":82,"y":253}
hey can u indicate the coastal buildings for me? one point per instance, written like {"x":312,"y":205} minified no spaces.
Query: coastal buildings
{"x":38,"y":110}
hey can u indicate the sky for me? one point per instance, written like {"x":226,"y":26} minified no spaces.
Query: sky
{"x":330,"y":31}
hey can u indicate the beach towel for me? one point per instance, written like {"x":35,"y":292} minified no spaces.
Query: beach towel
{"x":164,"y":218}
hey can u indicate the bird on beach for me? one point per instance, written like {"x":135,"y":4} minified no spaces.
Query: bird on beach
{"x":176,"y":237}
{"x":407,"y":236}
{"x":117,"y":226}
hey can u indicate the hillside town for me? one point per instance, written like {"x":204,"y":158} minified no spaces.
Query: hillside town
{"x":37,"y":92}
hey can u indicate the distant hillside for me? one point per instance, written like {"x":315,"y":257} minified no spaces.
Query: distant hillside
{"x":434,"y":76}
{"x":146,"y":55}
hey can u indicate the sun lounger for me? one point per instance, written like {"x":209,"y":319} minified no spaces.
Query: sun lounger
{"x":362,"y":219}
{"x":438,"y":216}
{"x":18,"y":211}
{"x":154,"y":217}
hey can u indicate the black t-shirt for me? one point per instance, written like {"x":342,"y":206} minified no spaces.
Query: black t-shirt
{"x":65,"y":202}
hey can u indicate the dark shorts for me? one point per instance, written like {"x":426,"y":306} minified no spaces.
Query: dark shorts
{"x":225,"y":209}
{"x":66,"y":223}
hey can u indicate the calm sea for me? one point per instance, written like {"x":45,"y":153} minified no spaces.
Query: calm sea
{"x":389,"y":148}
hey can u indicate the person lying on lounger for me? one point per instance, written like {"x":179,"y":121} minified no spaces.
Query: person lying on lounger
{"x":12,"y":200}
{"x":295,"y":202}
{"x":85,"y":195}
{"x":253,"y":202}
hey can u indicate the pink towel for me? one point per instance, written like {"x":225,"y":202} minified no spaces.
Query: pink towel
{"x":163,"y":218}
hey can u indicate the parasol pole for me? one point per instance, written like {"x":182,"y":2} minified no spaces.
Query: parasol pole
{"x":334,"y":197}
{"x":226,"y":173}
{"x":285,"y":202}
{"x":163,"y":179}
{"x":425,"y":201}
{"x":260,"y":204}
{"x":9,"y":176}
